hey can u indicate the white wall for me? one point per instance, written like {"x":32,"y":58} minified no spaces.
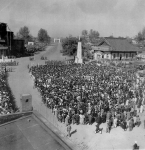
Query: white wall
{"x":30,"y":43}
{"x":107,"y":55}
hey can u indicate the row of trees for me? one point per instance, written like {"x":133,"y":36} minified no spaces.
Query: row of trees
{"x":141,"y":35}
{"x":24,"y":33}
{"x":91,"y":35}
{"x":40,"y":41}
{"x":69,"y":44}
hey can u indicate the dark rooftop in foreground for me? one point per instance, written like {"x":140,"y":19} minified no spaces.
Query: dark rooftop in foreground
{"x":28,"y":133}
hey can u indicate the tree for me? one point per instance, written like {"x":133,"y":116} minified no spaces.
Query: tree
{"x":69,"y":46}
{"x":93,"y":35}
{"x":141,"y":35}
{"x":84,"y":33}
{"x":43,"y":36}
{"x":24,"y":34}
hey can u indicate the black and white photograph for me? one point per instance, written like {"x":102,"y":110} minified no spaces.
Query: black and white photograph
{"x":72,"y":74}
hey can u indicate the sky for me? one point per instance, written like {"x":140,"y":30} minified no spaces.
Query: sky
{"x":62,"y":18}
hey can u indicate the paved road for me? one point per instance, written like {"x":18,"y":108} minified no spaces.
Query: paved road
{"x":20,"y":81}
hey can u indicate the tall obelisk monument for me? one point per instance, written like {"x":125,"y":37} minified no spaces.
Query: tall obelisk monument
{"x":78,"y":58}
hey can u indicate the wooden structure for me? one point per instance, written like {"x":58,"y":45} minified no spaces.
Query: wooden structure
{"x":115,"y":48}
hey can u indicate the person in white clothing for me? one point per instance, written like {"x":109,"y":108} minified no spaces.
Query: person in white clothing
{"x":141,"y":109}
{"x":115,"y":122}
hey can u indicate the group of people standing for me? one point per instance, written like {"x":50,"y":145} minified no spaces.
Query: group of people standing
{"x":7,"y":103}
{"x":88,"y":93}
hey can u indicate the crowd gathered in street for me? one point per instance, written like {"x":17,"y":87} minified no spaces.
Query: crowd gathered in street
{"x":7,"y":103}
{"x":88,"y":93}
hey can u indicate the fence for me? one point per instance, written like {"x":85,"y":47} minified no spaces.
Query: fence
{"x":50,"y":117}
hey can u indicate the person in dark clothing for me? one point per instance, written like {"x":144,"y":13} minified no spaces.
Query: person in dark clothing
{"x":122,"y":116}
{"x":135,"y":146}
{"x":99,"y":121}
{"x":73,"y":119}
{"x":103,"y":117}
{"x":108,"y":116}
{"x":124,"y":125}
{"x":98,"y":129}
{"x":90,"y":119}
{"x":131,"y":124}
{"x":86,"y":119}
{"x":77,"y":118}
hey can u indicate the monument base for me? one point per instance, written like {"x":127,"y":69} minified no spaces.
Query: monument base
{"x":78,"y":61}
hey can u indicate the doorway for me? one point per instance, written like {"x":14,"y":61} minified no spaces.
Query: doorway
{"x":120,"y":58}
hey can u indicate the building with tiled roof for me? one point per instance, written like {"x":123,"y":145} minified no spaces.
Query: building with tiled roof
{"x":115,"y":48}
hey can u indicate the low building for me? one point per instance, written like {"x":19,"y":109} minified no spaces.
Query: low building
{"x":115,"y":48}
{"x":31,"y":43}
{"x":6,"y":39}
{"x":3,"y":51}
{"x":18,"y":47}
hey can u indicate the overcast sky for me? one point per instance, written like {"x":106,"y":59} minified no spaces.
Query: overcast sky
{"x":63,"y":17}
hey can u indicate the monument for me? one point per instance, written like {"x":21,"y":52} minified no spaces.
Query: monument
{"x":78,"y":58}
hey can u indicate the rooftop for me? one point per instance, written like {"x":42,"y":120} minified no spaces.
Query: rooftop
{"x":28,"y":133}
{"x":119,"y":44}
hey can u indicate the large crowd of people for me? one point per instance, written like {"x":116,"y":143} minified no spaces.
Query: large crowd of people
{"x":88,"y":93}
{"x":7,"y":103}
